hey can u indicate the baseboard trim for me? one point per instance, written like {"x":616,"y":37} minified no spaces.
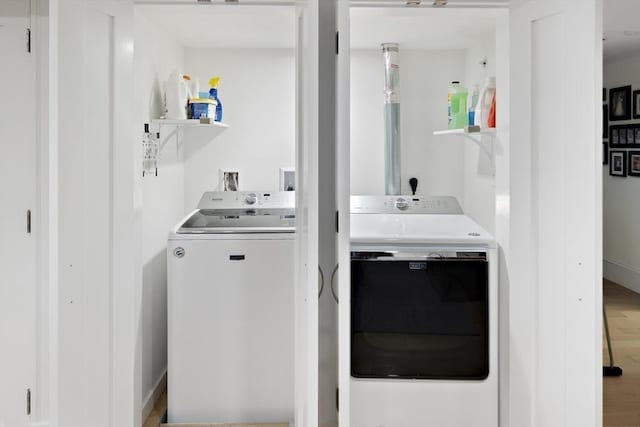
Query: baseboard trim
{"x":154,"y":395}
{"x":623,"y":274}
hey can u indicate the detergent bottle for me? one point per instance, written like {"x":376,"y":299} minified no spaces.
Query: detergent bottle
{"x":458,"y":117}
{"x":213,"y":94}
{"x":176,"y":96}
{"x":484,"y":103}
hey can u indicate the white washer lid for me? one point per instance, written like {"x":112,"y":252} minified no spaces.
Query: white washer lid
{"x":398,"y":229}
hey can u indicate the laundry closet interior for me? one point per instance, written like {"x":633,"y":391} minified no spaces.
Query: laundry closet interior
{"x":251,"y":47}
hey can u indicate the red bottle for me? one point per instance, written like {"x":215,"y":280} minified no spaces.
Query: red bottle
{"x":492,"y":113}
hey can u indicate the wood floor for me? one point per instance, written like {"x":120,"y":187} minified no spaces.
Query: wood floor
{"x":161,"y":406}
{"x":621,"y":395}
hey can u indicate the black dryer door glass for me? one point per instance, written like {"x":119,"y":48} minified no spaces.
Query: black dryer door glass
{"x":424,"y":319}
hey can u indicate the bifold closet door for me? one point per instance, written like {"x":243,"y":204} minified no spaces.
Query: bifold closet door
{"x":95,"y":286}
{"x":553,"y":256}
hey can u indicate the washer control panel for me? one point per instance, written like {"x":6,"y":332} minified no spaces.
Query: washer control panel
{"x":244,"y":199}
{"x":443,"y":205}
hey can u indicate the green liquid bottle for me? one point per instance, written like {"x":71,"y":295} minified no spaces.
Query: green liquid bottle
{"x":458,"y":117}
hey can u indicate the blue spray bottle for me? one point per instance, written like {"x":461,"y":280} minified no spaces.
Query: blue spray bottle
{"x":213,"y":94}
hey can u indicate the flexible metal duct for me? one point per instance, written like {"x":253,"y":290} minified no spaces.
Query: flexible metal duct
{"x":391,"y":118}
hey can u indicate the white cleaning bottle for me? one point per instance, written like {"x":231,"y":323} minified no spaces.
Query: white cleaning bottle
{"x":176,"y":96}
{"x":484,"y":103}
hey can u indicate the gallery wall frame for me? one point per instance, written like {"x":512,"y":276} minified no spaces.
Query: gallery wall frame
{"x":620,"y":103}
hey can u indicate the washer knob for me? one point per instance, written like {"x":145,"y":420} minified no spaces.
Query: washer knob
{"x":402,"y":204}
{"x":251,"y":198}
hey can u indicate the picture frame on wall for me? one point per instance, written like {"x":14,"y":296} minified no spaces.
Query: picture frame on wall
{"x":605,"y":153}
{"x":636,"y":104}
{"x":620,"y":103}
{"x":615,"y":137}
{"x":624,"y":136}
{"x":605,"y":121}
{"x":604,"y":95}
{"x":618,"y":163}
{"x":634,"y":163}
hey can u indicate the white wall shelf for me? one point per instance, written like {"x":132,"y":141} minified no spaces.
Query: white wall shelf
{"x":485,"y":144}
{"x":177,"y":128}
{"x":216,"y":127}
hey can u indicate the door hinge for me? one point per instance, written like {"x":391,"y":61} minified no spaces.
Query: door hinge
{"x":337,"y":399}
{"x":337,"y":42}
{"x":28,"y":221}
{"x":28,"y":401}
{"x":29,"y":40}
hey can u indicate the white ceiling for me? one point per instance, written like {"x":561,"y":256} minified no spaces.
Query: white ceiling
{"x":621,"y":27}
{"x":235,"y":26}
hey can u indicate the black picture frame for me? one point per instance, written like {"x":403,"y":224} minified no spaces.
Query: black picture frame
{"x":620,"y":103}
{"x":604,"y":95}
{"x":605,"y":153}
{"x":624,"y":136}
{"x":605,"y":121}
{"x":636,"y":104}
{"x":618,"y":163}
{"x":634,"y":163}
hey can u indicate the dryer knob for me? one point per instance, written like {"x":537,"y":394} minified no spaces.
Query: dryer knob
{"x":402,"y":204}
{"x":251,"y":199}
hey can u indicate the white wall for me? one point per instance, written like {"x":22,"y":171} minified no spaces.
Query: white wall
{"x":257,"y":91}
{"x":424,"y":78}
{"x":479,"y":178}
{"x":162,"y":197}
{"x":621,"y":232}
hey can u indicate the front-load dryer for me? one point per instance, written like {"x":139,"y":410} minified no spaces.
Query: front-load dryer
{"x":423,"y":315}
{"x":231,"y":310}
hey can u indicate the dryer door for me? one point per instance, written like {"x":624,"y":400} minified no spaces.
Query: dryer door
{"x":419,"y":316}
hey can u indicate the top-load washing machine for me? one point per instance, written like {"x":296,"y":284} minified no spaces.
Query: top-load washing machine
{"x":424,"y":315}
{"x":231,"y":310}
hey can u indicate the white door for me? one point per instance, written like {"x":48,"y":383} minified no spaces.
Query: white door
{"x":549,"y":215}
{"x":95,"y":288}
{"x":17,"y":198}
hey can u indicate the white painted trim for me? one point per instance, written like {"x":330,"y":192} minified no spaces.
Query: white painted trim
{"x":150,"y":400}
{"x":621,"y":273}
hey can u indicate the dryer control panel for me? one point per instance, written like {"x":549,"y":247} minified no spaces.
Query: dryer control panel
{"x":215,"y":200}
{"x":443,"y":205}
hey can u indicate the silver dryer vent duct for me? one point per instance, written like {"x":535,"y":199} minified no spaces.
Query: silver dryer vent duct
{"x":391,"y":118}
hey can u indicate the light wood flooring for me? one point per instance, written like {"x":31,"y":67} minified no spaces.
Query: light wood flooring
{"x":161,"y":406}
{"x":621,"y":395}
